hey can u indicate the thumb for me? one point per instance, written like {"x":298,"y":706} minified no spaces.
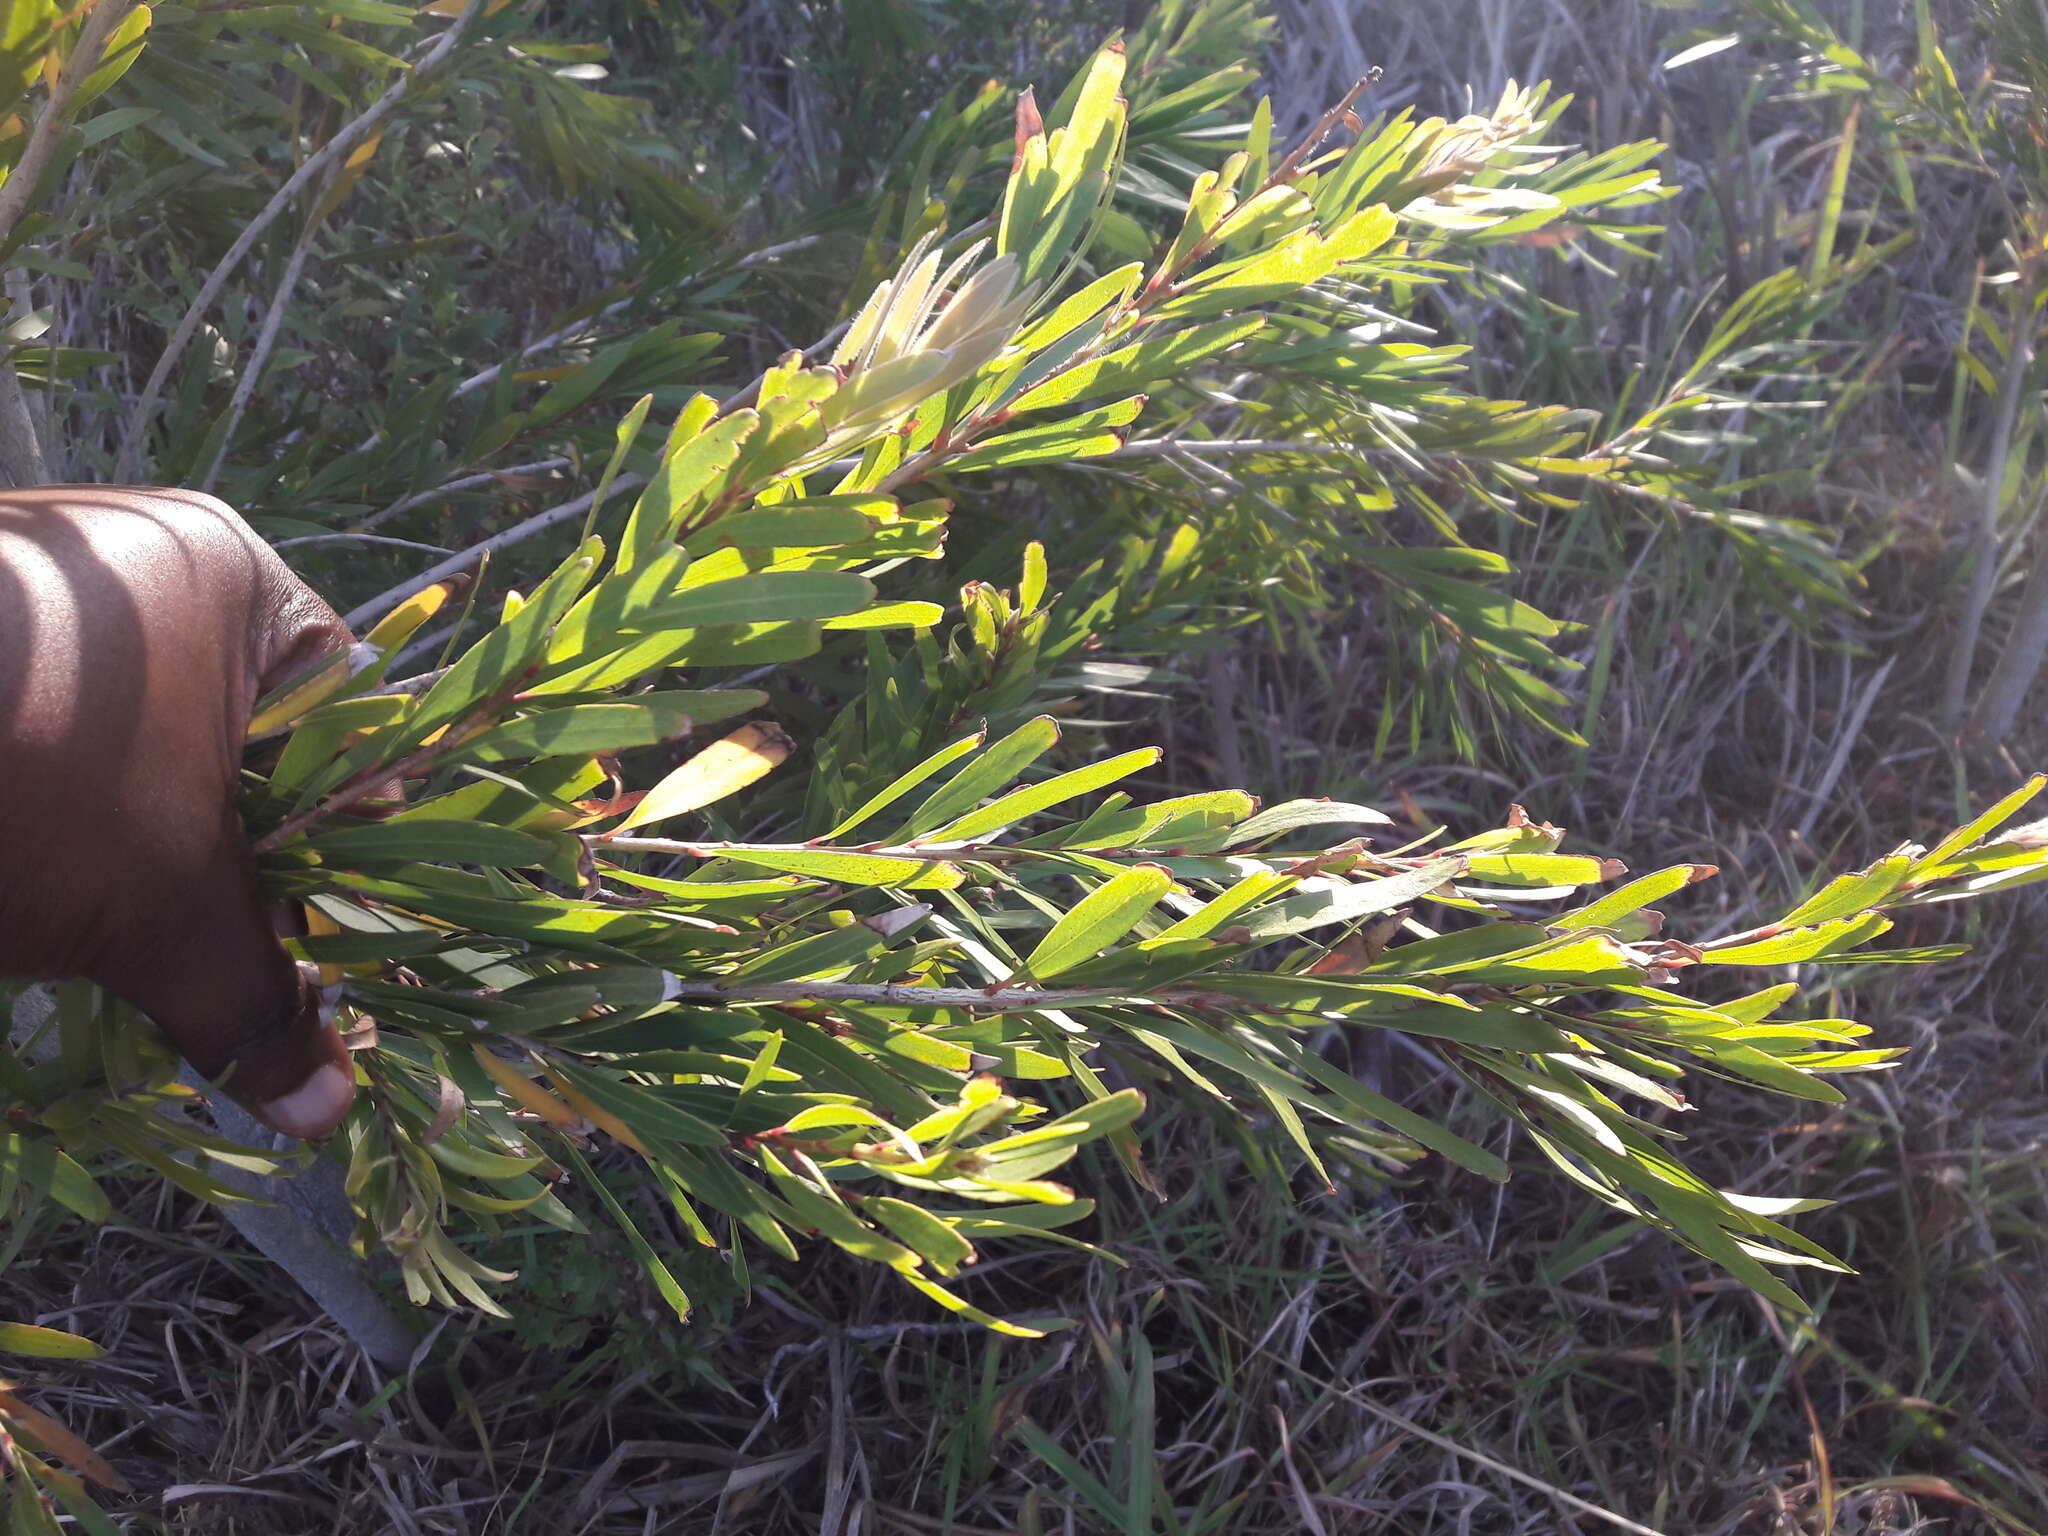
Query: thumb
{"x":299,"y":1079}
{"x":287,"y":1067}
{"x":232,"y":1002}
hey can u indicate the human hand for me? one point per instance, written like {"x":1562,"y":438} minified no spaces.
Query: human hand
{"x":138,"y":627}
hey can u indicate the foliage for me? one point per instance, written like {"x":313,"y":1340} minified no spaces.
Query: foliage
{"x":1991,"y":128}
{"x":823,"y":1032}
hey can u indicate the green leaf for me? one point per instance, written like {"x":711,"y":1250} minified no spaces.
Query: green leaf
{"x":974,"y":1314}
{"x":812,"y":524}
{"x":1806,"y":943}
{"x":934,"y":1240}
{"x":1346,"y":901}
{"x":486,"y":666}
{"x":890,"y":616}
{"x":1031,"y":799}
{"x":1078,"y":437}
{"x":643,"y":1251}
{"x":581,"y":730}
{"x":123,"y":47}
{"x":426,"y":841}
{"x":766,"y":597}
{"x":1849,"y":894}
{"x":1134,"y":367}
{"x":869,"y":869}
{"x":48,"y":1171}
{"x":989,"y":772}
{"x":641,"y":1109}
{"x":1629,"y":899}
{"x":689,"y":474}
{"x":827,"y":1214}
{"x":1979,"y":828}
{"x":1101,"y":918}
{"x":1541,"y":869}
{"x":906,"y":781}
{"x":1296,"y":814}
{"x":46,"y":1343}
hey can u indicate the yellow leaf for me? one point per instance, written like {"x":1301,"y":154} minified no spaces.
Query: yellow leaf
{"x":602,"y":1119}
{"x":723,"y":768}
{"x":523,"y":1090}
{"x":345,"y":179}
{"x":317,"y":689}
{"x":319,"y":925}
{"x":53,"y":1437}
{"x":397,"y":626}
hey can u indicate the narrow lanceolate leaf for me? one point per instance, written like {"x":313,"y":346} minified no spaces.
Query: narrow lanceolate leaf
{"x":1031,"y":799}
{"x":911,"y":615}
{"x":1101,"y":918}
{"x":1296,"y":814}
{"x":42,"y":1168}
{"x":813,"y":524}
{"x":906,"y":781}
{"x":765,"y":597}
{"x":1847,"y":895}
{"x":643,"y":1251}
{"x":1080,"y":437}
{"x":1980,"y":828}
{"x":723,"y":768}
{"x":1029,"y":1154}
{"x":402,"y":622}
{"x":935,"y":1241}
{"x":46,"y":1343}
{"x":1540,"y":869}
{"x":51,"y":1435}
{"x":983,"y":777}
{"x":433,"y":842}
{"x":690,"y":474}
{"x":307,"y":692}
{"x":582,"y":730}
{"x":1633,"y":897}
{"x":1335,"y":901}
{"x":1806,"y":943}
{"x":502,"y":653}
{"x":849,"y":868}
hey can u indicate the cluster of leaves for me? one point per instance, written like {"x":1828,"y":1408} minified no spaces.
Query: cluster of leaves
{"x":828,"y":1033}
{"x":1307,"y":439}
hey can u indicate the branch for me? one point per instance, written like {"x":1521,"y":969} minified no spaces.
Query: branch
{"x":890,"y":994}
{"x":2019,"y":354}
{"x":964,"y":853}
{"x":1167,"y":447}
{"x":362,"y":538}
{"x":20,"y":185}
{"x":316,"y":165}
{"x":540,"y":522}
{"x":2012,"y":676}
{"x":579,"y":330}
{"x":259,"y":355}
{"x":303,"y":1230}
{"x":366,"y":782}
{"x":21,"y":449}
{"x":405,"y":504}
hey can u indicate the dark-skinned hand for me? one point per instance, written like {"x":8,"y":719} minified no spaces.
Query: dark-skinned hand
{"x":137,"y":630}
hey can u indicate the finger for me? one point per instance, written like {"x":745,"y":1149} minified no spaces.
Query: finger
{"x":214,"y":978}
{"x":321,"y":1101}
{"x":284,"y":1063}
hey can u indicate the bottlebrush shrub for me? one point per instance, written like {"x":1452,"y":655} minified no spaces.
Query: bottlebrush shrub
{"x":893,"y":1026}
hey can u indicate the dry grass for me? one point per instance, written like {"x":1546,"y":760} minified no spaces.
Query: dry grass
{"x":1441,"y":1356}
